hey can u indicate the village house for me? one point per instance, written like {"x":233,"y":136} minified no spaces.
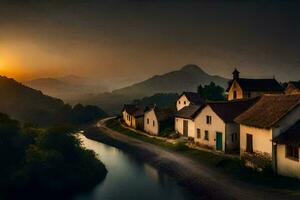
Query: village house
{"x":133,"y":116}
{"x":287,"y":155}
{"x":187,"y":98}
{"x":157,"y":120}
{"x":270,"y":117}
{"x":215,"y":127}
{"x":184,"y":120}
{"x":242,"y":88}
{"x":293,"y":87}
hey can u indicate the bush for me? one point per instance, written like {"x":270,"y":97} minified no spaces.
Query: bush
{"x":40,"y":162}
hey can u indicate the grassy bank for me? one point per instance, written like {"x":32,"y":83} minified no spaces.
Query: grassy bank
{"x":231,"y":166}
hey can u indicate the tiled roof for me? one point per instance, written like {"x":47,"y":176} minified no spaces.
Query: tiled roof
{"x":229,"y":110}
{"x":188,"y":112}
{"x":164,"y":114}
{"x":258,"y":85}
{"x":291,"y":136}
{"x":134,"y":110}
{"x":269,"y":110}
{"x":193,"y":97}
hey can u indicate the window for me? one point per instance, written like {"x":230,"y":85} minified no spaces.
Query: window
{"x":147,"y":120}
{"x":208,"y":119}
{"x":249,"y":143}
{"x":178,"y":102}
{"x":234,"y":94}
{"x":153,"y":123}
{"x":206,"y":137}
{"x":292,"y":152}
{"x":198,"y":133}
{"x":184,"y":102}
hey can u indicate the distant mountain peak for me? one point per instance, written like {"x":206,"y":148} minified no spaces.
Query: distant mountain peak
{"x":191,"y":68}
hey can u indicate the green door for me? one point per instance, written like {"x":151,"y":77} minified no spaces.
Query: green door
{"x":219,"y":144}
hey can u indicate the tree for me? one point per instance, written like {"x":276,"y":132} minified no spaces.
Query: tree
{"x":212,"y":92}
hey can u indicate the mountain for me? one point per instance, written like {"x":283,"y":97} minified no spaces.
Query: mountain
{"x":29,"y":105}
{"x":69,"y":88}
{"x":188,"y":78}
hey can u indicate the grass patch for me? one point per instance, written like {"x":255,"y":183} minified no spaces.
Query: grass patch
{"x":231,"y":166}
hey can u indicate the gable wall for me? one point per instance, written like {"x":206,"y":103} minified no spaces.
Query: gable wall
{"x":180,"y":102}
{"x":235,"y":87}
{"x":217,"y":126}
{"x":149,"y":128}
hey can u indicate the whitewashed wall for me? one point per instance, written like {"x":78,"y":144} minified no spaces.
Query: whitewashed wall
{"x":148,"y":127}
{"x":182,"y":102}
{"x":217,"y":125}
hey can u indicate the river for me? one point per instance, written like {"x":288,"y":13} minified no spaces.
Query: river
{"x":131,"y":179}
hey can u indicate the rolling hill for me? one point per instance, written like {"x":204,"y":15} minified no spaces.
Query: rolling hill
{"x":68,"y":88}
{"x":188,"y":78}
{"x":29,"y":105}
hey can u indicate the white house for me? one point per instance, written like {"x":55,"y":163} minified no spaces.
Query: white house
{"x":133,"y":116}
{"x":215,"y":127}
{"x":184,"y":120}
{"x":157,"y":120}
{"x":187,"y":98}
{"x":271,"y":116}
{"x":287,"y":155}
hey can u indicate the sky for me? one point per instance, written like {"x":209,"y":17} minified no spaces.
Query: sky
{"x":136,"y":39}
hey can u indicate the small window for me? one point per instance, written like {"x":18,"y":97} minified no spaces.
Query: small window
{"x":208,"y":119}
{"x":249,"y":143}
{"x":234,"y":94}
{"x":206,"y":137}
{"x":184,"y":102}
{"x":147,"y":120}
{"x":198,"y":133}
{"x":292,"y":152}
{"x":153,"y":123}
{"x":178,"y":102}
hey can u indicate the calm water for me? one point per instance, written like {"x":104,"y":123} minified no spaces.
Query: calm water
{"x":131,"y":179}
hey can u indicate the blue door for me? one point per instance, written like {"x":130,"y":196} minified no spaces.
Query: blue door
{"x":219,"y":143}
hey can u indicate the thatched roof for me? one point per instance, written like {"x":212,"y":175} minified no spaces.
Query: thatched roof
{"x":188,"y":112}
{"x":290,"y":137}
{"x":193,"y":97}
{"x":258,"y":85}
{"x":229,"y":110}
{"x":134,"y":110}
{"x":269,"y":110}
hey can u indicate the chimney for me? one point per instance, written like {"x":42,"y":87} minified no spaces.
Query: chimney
{"x":236,"y":74}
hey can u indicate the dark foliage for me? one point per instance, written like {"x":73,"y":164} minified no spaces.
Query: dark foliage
{"x":161,"y":100}
{"x":212,"y":92}
{"x":44,"y":164}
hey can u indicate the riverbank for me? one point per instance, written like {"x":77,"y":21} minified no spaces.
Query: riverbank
{"x":203,"y":178}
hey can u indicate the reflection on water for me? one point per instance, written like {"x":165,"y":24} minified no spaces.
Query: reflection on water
{"x":131,"y":179}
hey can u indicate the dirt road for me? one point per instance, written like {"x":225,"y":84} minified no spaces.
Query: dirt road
{"x":206,"y":182}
